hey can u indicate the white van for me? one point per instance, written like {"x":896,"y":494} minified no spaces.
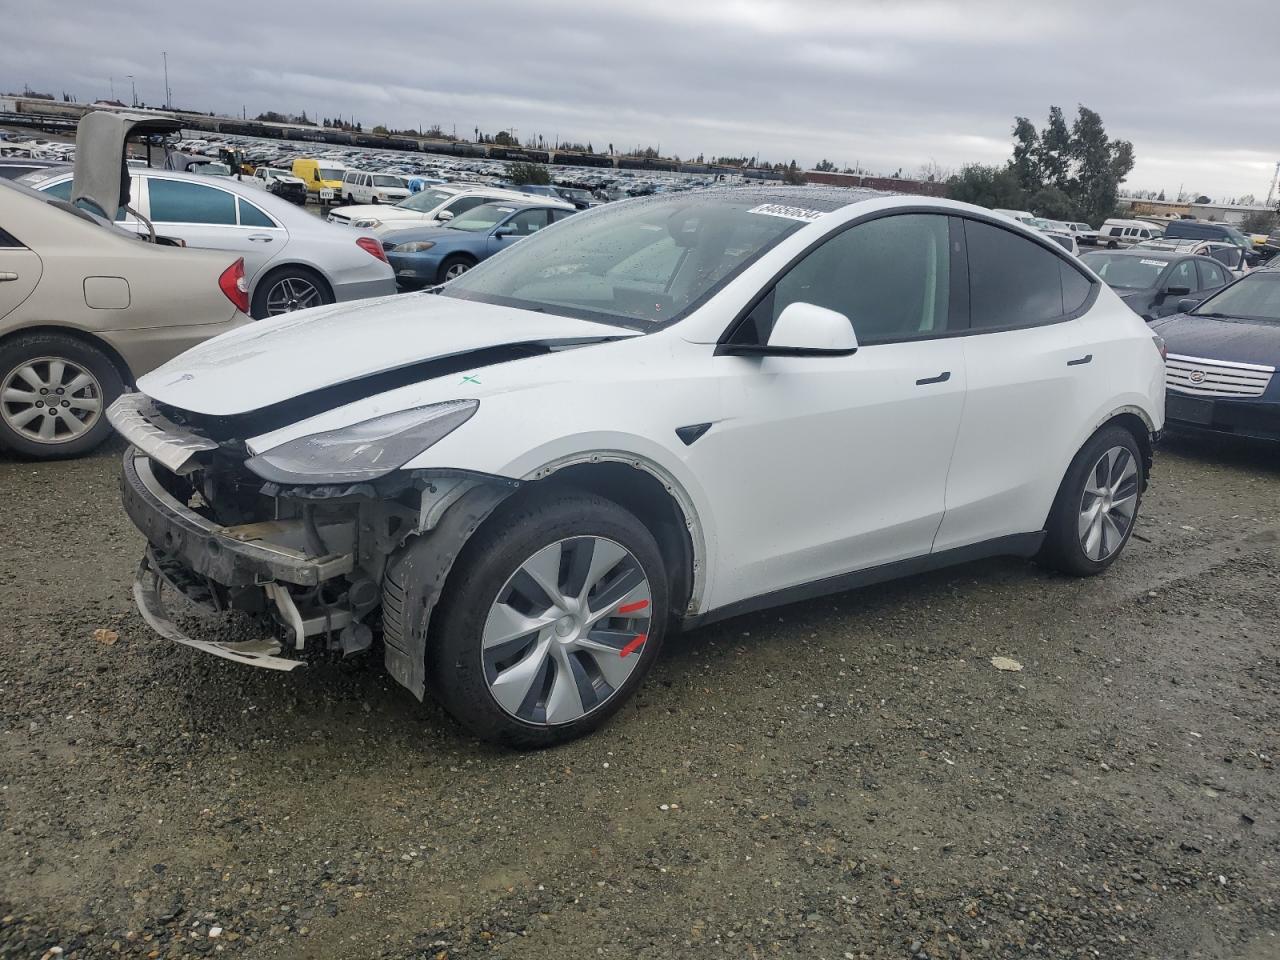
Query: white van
{"x":360,"y":186}
{"x":1125,"y":233}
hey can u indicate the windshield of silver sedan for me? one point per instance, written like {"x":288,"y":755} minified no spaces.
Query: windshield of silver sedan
{"x":640,"y":264}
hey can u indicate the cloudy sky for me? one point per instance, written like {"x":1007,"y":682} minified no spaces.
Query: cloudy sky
{"x":881,"y":83}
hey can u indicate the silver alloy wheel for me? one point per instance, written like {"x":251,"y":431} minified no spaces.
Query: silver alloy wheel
{"x":456,"y":270}
{"x":292,"y":293}
{"x":566,"y":630}
{"x":50,"y":400}
{"x":1108,"y":504}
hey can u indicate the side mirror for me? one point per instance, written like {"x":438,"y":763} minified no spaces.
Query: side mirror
{"x":1188,"y":303}
{"x":803,"y":330}
{"x":444,"y":215}
{"x":506,"y":230}
{"x":1177,"y":291}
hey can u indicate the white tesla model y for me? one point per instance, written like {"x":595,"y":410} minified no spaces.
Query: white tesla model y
{"x":654,"y":414}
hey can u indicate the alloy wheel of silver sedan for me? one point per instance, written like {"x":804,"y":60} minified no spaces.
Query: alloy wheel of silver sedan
{"x":292,"y":293}
{"x":1108,"y":504}
{"x":50,"y":400}
{"x":565,"y":631}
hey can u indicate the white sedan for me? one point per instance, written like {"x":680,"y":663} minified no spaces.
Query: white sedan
{"x":655,"y":413}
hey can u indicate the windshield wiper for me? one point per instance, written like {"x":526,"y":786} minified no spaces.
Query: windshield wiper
{"x":1215,"y":316}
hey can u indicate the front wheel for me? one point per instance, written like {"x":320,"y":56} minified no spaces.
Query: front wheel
{"x":453,"y":267}
{"x":54,"y":394}
{"x":554,"y":613}
{"x":1097,"y":504}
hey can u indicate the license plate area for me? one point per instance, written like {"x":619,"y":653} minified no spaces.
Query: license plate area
{"x":326,"y":194}
{"x":1188,"y":409}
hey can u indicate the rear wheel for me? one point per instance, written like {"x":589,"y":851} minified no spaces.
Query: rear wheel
{"x":1097,"y":504}
{"x":552,"y":617}
{"x":289,"y":289}
{"x":54,"y":394}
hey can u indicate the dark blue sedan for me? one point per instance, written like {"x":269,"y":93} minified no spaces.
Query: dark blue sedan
{"x":1223,"y":355}
{"x":435,"y":254}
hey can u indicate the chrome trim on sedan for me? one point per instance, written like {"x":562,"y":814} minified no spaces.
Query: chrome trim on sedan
{"x":1203,"y":377}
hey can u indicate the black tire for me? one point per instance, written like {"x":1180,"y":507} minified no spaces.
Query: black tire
{"x":1112,"y":245}
{"x":1062,"y":549}
{"x":516,"y":531}
{"x":450,"y":263}
{"x":350,"y":199}
{"x":262,"y":292}
{"x":375,"y":201}
{"x":35,"y":347}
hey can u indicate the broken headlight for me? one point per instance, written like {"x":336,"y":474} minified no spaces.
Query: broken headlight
{"x":363,"y":451}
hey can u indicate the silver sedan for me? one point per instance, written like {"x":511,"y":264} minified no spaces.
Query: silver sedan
{"x":292,"y":258}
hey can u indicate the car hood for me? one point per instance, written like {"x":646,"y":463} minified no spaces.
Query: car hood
{"x":380,"y":211}
{"x":1233,"y":341}
{"x":433,"y":232}
{"x":275,"y":360}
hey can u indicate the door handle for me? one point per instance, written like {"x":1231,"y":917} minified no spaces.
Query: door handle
{"x":8,"y":276}
{"x":260,"y":238}
{"x":1080,"y":361}
{"x":943,"y":377}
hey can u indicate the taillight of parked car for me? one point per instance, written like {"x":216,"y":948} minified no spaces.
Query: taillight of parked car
{"x":1161,"y":346}
{"x":234,"y":285}
{"x":371,"y":247}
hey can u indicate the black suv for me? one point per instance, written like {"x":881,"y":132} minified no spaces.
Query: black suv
{"x":1208,"y":230}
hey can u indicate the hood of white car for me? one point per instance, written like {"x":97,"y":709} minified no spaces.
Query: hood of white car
{"x":378,"y":211}
{"x":271,"y":361}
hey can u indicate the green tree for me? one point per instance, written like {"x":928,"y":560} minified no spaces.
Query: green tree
{"x":1260,"y":221}
{"x":1026,"y":154}
{"x":528,"y":173}
{"x":1099,"y":165}
{"x":793,"y":175}
{"x":825,"y":166}
{"x":1053,"y":153}
{"x":987,"y":186}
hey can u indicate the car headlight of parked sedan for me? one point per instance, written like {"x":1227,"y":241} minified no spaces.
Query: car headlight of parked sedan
{"x":414,"y":246}
{"x":366,"y":223}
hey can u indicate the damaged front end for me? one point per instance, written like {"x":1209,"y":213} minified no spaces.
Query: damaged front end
{"x":305,"y":563}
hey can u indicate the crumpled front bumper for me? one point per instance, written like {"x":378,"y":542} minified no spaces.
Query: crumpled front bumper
{"x":187,"y":550}
{"x":232,"y":556}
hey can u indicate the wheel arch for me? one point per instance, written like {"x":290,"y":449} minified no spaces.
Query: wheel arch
{"x":75,"y":333}
{"x":1135,"y":420}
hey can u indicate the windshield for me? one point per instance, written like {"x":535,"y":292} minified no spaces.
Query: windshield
{"x":637,"y":264}
{"x":386,"y":180}
{"x":425,"y":201}
{"x":1254,"y":297}
{"x":1125,"y":271}
{"x":211,"y":169}
{"x":330,"y":174}
{"x":484,"y":217}
{"x":573,"y":193}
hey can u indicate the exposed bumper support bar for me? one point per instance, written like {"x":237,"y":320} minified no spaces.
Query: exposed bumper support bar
{"x":253,"y":653}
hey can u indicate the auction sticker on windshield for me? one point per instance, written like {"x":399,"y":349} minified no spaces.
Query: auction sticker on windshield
{"x":791,"y":213}
{"x":1154,"y":263}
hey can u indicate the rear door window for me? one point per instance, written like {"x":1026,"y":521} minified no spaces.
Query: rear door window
{"x":1211,"y":275}
{"x":251,"y":216}
{"x":1014,"y":282}
{"x":177,"y":201}
{"x":1182,"y":274}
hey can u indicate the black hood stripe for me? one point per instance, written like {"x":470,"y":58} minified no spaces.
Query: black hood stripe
{"x":265,"y":419}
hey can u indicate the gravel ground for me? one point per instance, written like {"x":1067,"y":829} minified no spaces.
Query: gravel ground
{"x":843,"y":778}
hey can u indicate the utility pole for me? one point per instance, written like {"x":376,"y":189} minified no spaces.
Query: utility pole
{"x":134,"y":87}
{"x":1271,"y":191}
{"x":168,"y":97}
{"x":112,"y":81}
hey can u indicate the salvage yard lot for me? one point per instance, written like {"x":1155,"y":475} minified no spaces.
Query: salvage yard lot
{"x":846,"y":777}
